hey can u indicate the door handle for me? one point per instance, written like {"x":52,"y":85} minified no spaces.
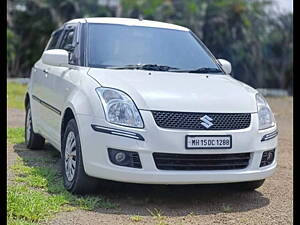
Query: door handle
{"x":46,"y":72}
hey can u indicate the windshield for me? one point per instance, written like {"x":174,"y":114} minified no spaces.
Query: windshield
{"x":112,"y":45}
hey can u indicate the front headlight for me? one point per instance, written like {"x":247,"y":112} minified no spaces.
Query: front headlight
{"x":265,"y":115}
{"x":119,"y":108}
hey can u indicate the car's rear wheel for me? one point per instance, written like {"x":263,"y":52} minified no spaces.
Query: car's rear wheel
{"x":75,"y":179}
{"x":33,"y":141}
{"x":249,"y":185}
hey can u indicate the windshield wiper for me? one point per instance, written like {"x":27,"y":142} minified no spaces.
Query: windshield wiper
{"x":154,"y":67}
{"x":198,"y":70}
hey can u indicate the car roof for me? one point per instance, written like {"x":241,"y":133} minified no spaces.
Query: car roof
{"x":129,"y":22}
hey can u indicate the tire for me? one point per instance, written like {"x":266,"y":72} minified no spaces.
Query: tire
{"x":33,"y":141}
{"x":75,"y":179}
{"x":250,"y":185}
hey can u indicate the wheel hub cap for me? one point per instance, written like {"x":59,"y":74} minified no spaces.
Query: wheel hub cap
{"x":70,"y":156}
{"x":28,"y":125}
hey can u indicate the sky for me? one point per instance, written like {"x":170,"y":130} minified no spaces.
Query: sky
{"x":284,"y":5}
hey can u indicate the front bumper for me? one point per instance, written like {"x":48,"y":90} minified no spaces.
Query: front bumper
{"x":97,"y":164}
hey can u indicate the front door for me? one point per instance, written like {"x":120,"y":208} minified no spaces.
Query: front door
{"x":61,"y":84}
{"x":41,"y":90}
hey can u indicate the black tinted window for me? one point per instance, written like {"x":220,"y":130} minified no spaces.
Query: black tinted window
{"x":119,"y":45}
{"x":67,"y":40}
{"x":54,"y":40}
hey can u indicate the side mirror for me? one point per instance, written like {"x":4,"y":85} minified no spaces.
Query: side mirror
{"x":56,"y":57}
{"x":226,"y":66}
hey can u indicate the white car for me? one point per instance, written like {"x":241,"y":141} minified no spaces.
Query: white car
{"x":141,"y":101}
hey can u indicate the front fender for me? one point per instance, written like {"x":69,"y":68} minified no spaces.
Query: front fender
{"x":84,"y":103}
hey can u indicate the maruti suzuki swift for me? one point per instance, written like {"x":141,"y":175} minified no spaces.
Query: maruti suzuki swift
{"x":140,"y":101}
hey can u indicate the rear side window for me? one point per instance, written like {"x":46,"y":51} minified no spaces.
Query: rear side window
{"x":54,"y":39}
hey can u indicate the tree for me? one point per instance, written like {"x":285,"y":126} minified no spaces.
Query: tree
{"x":33,"y":21}
{"x":278,"y":52}
{"x":11,"y":49}
{"x":259,"y":44}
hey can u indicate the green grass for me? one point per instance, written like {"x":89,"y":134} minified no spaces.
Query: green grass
{"x":162,"y":223}
{"x":15,"y":135}
{"x":15,"y":95}
{"x":31,"y":205}
{"x":157,"y":214}
{"x":38,"y":192}
{"x":191,"y":214}
{"x":226,"y":208}
{"x":136,"y":218}
{"x":38,"y":177}
{"x":12,"y":221}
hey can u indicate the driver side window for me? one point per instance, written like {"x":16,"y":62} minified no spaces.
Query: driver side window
{"x":68,"y":44}
{"x":54,"y":40}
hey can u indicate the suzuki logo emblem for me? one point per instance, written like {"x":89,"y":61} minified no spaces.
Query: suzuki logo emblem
{"x":206,"y":121}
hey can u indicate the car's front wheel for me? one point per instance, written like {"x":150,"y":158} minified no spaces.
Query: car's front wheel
{"x":33,"y":141}
{"x":75,"y":179}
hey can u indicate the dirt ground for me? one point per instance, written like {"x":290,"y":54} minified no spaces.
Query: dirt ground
{"x":192,"y":204}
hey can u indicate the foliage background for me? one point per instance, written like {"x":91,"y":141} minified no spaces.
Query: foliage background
{"x":256,"y":40}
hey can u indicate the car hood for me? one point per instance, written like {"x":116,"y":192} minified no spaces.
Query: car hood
{"x":185,"y":92}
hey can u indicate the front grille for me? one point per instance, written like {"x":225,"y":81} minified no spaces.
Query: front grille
{"x":192,"y":121}
{"x":167,"y":161}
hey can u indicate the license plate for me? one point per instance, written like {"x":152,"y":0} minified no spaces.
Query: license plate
{"x":208,"y":142}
